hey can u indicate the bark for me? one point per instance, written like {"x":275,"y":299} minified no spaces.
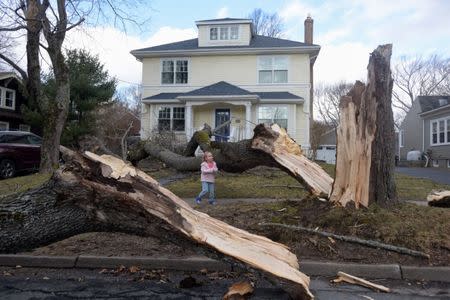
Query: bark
{"x":365,"y":138}
{"x":99,"y":193}
{"x":439,"y":198}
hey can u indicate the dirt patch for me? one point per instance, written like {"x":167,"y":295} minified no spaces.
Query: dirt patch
{"x":419,"y":228}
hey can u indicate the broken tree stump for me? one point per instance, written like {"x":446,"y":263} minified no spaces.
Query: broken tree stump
{"x":275,"y":141}
{"x":103,"y":193}
{"x":439,"y":198}
{"x":365,"y":138}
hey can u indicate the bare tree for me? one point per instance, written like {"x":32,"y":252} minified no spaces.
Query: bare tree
{"x":46,"y":24}
{"x":319,"y":128}
{"x":419,"y":76}
{"x":266,"y":24}
{"x":327,"y":99}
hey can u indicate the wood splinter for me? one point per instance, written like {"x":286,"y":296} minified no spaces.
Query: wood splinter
{"x":344,"y":277}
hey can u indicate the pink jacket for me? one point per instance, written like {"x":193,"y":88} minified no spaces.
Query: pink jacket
{"x":207,"y":172}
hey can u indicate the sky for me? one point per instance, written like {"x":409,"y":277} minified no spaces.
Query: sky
{"x":346,"y":30}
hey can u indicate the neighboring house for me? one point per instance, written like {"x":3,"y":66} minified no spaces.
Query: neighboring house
{"x":11,"y":99}
{"x":228,"y":75}
{"x":427,"y":127}
{"x":326,"y":151}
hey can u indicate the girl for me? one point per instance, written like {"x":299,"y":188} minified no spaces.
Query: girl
{"x":208,"y":168}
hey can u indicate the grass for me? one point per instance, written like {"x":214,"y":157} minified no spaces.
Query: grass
{"x":251,"y":185}
{"x":22,"y":183}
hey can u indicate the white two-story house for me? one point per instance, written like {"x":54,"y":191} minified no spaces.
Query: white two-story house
{"x":228,"y":74}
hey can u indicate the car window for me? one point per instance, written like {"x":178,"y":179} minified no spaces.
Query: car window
{"x":34,"y":140}
{"x":14,"y":139}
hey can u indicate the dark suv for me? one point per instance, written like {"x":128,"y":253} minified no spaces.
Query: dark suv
{"x":19,"y":151}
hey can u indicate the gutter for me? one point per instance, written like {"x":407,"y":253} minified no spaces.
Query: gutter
{"x":139,"y":54}
{"x":434,"y":110}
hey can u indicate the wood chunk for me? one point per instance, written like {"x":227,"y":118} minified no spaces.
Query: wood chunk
{"x":359,"y":281}
{"x":239,"y":290}
{"x":439,"y":198}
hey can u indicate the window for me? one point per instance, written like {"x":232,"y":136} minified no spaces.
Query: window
{"x":234,"y":32}
{"x":448,"y":163}
{"x":213,"y":33}
{"x":174,"y":71}
{"x":7,"y":98}
{"x":440,"y":132}
{"x":171,"y":118}
{"x":273,"y":114}
{"x":24,"y":127}
{"x":401,"y":138}
{"x":224,"y":33}
{"x":34,"y":140}
{"x":272,"y":69}
{"x":4,"y":126}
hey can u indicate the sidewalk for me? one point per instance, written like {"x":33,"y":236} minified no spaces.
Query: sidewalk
{"x":198,"y":263}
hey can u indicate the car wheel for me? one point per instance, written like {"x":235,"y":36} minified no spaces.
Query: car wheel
{"x":7,"y":168}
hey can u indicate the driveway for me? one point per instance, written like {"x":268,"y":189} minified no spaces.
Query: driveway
{"x":435,"y":174}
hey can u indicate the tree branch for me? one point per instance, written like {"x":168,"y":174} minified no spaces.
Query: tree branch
{"x":15,"y":66}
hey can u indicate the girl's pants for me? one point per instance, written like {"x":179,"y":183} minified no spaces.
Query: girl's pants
{"x":207,"y":187}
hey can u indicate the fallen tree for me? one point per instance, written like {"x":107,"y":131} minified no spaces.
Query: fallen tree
{"x":103,"y":193}
{"x":270,"y":146}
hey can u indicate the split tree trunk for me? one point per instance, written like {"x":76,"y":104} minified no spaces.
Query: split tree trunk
{"x":439,"y":198}
{"x":104,"y":193}
{"x":365,"y":138}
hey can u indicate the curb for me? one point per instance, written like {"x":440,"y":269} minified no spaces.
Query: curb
{"x":198,"y":263}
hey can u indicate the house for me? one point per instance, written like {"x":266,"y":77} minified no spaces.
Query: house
{"x":426,"y":127}
{"x":326,"y":151}
{"x":11,"y":99}
{"x":228,"y":75}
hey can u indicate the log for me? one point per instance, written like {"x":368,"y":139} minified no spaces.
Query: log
{"x":352,"y":239}
{"x":275,"y":141}
{"x":359,"y":281}
{"x":439,"y":198}
{"x":99,"y":193}
{"x":365,"y":138}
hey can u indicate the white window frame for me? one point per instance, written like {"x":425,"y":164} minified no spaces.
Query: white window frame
{"x":272,"y":57}
{"x":438,"y":132}
{"x":174,"y":60}
{"x":22,"y":126}
{"x":171,"y":116}
{"x":274,"y":106}
{"x":228,"y":29}
{"x":5,"y":123}
{"x":3,"y":91}
{"x":448,"y":163}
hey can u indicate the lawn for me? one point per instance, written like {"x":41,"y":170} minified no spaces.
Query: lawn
{"x":253,"y":184}
{"x":22,"y":183}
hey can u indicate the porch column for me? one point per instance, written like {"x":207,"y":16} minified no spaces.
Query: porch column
{"x":248,"y":119}
{"x":189,"y":120}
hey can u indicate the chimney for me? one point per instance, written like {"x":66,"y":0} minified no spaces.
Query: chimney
{"x":309,"y":30}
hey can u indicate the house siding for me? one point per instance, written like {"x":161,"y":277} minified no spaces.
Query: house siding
{"x":240,"y":70}
{"x":439,"y":152}
{"x":412,"y":131}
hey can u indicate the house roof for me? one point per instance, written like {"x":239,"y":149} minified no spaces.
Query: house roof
{"x":224,"y":19}
{"x":5,"y":75}
{"x":256,"y":42}
{"x":428,"y":103}
{"x":223,"y":88}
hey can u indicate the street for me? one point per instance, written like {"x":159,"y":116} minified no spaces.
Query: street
{"x":34,"y":283}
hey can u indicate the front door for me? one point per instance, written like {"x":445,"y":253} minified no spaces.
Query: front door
{"x":222,"y":116}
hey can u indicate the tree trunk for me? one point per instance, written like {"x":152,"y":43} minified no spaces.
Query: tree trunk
{"x":104,"y":193}
{"x":365,"y":138}
{"x":439,"y":198}
{"x":270,"y":146}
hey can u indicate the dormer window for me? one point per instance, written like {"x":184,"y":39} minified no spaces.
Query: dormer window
{"x":224,"y":33}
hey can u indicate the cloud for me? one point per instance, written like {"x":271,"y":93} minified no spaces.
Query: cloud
{"x":343,"y":62}
{"x":113,"y":47}
{"x":222,"y":13}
